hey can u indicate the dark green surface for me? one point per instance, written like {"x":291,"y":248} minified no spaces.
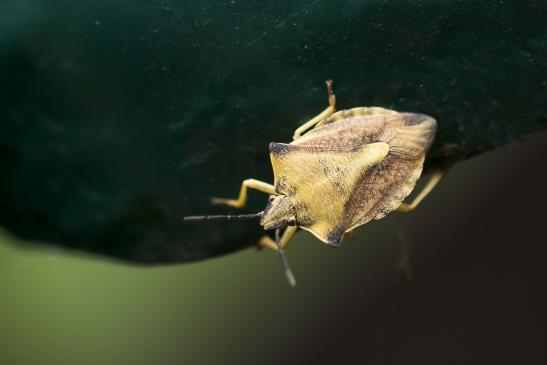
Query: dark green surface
{"x":118,"y":118}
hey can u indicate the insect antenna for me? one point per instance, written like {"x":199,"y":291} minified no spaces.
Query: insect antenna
{"x":221,"y":217}
{"x":288,"y":271}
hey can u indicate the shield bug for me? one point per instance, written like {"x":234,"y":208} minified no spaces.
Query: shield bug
{"x":342,"y":170}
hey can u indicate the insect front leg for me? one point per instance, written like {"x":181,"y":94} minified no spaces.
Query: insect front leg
{"x":324,"y":114}
{"x":433,"y":181}
{"x":267,"y":241}
{"x":242,"y":199}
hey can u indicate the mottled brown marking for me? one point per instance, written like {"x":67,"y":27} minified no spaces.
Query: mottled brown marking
{"x":335,"y":236}
{"x":336,"y":182}
{"x":303,"y":215}
{"x":279,"y":149}
{"x":413,"y":119}
{"x":333,"y":173}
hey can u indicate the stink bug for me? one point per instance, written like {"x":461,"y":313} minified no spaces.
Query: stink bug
{"x":341,"y":170}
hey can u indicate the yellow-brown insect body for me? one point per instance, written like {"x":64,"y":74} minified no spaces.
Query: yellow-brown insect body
{"x":356,"y":166}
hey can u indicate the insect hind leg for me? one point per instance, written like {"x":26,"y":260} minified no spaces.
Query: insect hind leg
{"x":433,"y":181}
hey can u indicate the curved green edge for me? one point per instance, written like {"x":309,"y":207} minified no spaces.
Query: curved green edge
{"x":118,"y":119}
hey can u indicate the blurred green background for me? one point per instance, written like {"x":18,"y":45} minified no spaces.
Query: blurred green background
{"x":477,"y":250}
{"x":111,"y":113}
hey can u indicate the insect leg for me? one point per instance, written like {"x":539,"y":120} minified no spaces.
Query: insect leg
{"x":324,"y":114}
{"x":267,"y":241}
{"x":433,"y":180}
{"x":240,"y":201}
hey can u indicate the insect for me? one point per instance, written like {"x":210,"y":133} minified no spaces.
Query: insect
{"x":342,"y":170}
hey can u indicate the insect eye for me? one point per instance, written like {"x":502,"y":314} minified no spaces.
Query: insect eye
{"x":270,"y":199}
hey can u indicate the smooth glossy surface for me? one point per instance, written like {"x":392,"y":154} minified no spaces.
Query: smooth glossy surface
{"x":118,"y":118}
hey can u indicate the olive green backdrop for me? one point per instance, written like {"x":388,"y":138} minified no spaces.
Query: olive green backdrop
{"x":477,"y":251}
